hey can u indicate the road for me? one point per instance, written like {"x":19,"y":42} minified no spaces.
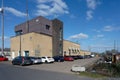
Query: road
{"x":10,"y":72}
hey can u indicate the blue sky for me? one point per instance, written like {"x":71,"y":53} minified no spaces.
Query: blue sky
{"x":91,"y":23}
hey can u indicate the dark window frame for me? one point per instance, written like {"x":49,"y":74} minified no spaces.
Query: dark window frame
{"x":48,"y":27}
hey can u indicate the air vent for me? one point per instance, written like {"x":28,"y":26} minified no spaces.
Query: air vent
{"x":37,"y":20}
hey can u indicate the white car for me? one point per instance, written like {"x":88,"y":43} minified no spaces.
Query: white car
{"x":47,"y":59}
{"x":36,"y":60}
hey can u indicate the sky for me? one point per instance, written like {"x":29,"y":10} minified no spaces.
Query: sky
{"x":94,"y":24}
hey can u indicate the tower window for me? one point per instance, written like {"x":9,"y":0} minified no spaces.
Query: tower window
{"x":18,"y":32}
{"x":47,"y":27}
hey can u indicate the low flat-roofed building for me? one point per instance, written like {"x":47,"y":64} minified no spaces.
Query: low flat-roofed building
{"x":71,"y":48}
{"x":84,"y":52}
{"x":31,"y":44}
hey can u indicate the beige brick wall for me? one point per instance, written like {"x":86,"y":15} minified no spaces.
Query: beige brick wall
{"x":83,"y":52}
{"x":70,"y":48}
{"x":36,"y":44}
{"x":44,"y":44}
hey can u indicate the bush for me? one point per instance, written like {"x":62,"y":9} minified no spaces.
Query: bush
{"x":108,"y":69}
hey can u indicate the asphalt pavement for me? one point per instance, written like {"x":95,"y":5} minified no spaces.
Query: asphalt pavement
{"x":10,"y":72}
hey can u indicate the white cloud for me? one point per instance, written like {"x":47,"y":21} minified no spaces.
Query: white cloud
{"x":111,"y":28}
{"x":98,"y":31}
{"x":43,"y":1}
{"x":91,"y":4}
{"x":72,"y":16}
{"x":15,"y":12}
{"x":5,"y":38}
{"x":100,"y":36}
{"x":51,"y":8}
{"x":89,"y":15}
{"x":108,"y":28}
{"x":79,"y":36}
{"x":1,"y":9}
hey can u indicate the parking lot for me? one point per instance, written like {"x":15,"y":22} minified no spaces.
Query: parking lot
{"x":63,"y":67}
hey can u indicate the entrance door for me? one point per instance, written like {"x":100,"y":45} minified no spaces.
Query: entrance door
{"x":26,"y":53}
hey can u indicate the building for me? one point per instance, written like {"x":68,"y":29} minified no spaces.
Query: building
{"x":38,"y":37}
{"x":84,"y":52}
{"x":6,"y":51}
{"x":32,"y":44}
{"x":42,"y":37}
{"x":71,"y":48}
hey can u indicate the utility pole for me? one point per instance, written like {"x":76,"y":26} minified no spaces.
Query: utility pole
{"x":114,"y":46}
{"x":27,"y":20}
{"x":2,"y":24}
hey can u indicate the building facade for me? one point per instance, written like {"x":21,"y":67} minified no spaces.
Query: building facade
{"x":31,"y":44}
{"x":70,"y":48}
{"x":40,"y":27}
{"x":84,"y":52}
{"x":42,"y":37}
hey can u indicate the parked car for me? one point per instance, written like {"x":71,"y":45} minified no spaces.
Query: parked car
{"x":74,"y":57}
{"x":47,"y":59}
{"x":80,"y":57}
{"x":68,"y":58}
{"x":58,"y":58}
{"x":2,"y":58}
{"x":87,"y":56}
{"x":21,"y":60}
{"x":36,"y":60}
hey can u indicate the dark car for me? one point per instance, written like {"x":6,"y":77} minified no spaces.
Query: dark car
{"x":2,"y":58}
{"x":75,"y":57}
{"x":80,"y":57}
{"x":21,"y":60}
{"x":58,"y":58}
{"x":68,"y":58}
{"x":87,"y":56}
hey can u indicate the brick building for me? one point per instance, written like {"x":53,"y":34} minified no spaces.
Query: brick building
{"x":25,"y":40}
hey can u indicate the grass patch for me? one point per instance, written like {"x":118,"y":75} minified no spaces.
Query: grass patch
{"x":92,"y":75}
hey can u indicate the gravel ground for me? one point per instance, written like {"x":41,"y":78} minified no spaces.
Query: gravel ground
{"x":64,"y":67}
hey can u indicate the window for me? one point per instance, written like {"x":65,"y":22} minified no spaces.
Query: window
{"x":61,"y":33}
{"x":47,"y":27}
{"x":18,"y":32}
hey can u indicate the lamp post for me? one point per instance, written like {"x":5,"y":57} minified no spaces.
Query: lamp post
{"x":2,"y":24}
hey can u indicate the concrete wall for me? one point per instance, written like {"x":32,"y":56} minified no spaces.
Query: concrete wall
{"x":70,"y":48}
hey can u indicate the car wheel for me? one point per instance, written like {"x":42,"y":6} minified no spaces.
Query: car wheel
{"x":13,"y":63}
{"x":46,"y":61}
{"x":21,"y":64}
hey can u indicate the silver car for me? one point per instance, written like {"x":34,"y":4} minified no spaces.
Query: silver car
{"x":36,"y":60}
